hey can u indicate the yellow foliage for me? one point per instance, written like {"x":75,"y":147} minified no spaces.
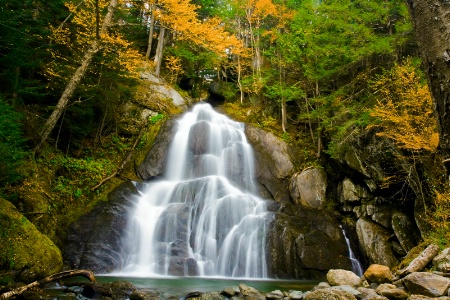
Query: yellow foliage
{"x":439,"y":219}
{"x":77,"y":34}
{"x":173,"y":64}
{"x":404,"y":106}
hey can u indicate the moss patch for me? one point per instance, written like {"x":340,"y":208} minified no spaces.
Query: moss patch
{"x":26,"y":254}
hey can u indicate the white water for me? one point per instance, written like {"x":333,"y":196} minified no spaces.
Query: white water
{"x":203,"y":217}
{"x":356,"y":265}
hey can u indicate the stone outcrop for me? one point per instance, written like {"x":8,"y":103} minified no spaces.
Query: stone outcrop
{"x":273,"y":164}
{"x":305,"y":244}
{"x":374,"y":243}
{"x":26,"y":253}
{"x":155,"y":161}
{"x":94,"y":242}
{"x":309,"y":187}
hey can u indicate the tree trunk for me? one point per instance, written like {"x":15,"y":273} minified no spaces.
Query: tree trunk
{"x":420,"y":262}
{"x":432,"y":32}
{"x":159,"y":51}
{"x":76,"y":78}
{"x":150,"y":34}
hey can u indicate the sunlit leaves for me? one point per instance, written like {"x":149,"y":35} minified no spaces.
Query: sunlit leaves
{"x":405,"y":109}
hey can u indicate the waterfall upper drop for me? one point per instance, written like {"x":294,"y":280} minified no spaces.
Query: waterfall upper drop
{"x":203,"y":218}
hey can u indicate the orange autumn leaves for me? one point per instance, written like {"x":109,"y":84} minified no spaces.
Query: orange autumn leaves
{"x":404,"y":108}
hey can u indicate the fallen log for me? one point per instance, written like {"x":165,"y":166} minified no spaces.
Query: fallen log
{"x":443,"y":274}
{"x":72,"y":273}
{"x":419,"y":263}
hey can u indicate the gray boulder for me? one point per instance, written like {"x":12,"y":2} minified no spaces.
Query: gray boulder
{"x":374,"y":243}
{"x":308,"y":188}
{"x":405,"y":230}
{"x":273,"y":164}
{"x":427,"y":284}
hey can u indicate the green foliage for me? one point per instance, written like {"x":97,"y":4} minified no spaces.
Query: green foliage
{"x":156,"y":118}
{"x":12,"y":153}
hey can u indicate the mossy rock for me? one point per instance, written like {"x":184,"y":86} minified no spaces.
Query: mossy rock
{"x":25,"y":254}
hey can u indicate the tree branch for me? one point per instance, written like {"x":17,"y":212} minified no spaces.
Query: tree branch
{"x":72,"y":273}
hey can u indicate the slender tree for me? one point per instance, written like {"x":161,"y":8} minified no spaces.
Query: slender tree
{"x":77,"y":76}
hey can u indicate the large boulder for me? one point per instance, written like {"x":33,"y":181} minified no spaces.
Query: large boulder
{"x":308,"y":188}
{"x":342,"y":277}
{"x":428,"y":284}
{"x":25,"y":253}
{"x":378,"y":274}
{"x":329,"y":294}
{"x":94,"y":242}
{"x":374,"y":243}
{"x":405,"y":230}
{"x":155,"y":161}
{"x":273,"y":164}
{"x":305,"y":244}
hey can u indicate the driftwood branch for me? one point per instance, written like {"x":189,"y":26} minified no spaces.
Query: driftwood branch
{"x":72,"y":273}
{"x":420,"y":261}
{"x":124,"y":162}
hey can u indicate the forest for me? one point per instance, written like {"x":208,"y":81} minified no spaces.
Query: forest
{"x":322,"y":75}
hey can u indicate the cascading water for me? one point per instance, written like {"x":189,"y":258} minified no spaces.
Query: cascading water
{"x":203,"y":218}
{"x":356,"y":265}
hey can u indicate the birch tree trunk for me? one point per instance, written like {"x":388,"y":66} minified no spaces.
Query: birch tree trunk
{"x":432,"y":32}
{"x":76,"y":78}
{"x":159,"y":51}
{"x":150,"y":34}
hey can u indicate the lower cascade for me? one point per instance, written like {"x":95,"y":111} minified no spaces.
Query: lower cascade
{"x":203,"y":217}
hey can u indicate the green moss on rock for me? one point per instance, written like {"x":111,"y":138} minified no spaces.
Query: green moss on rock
{"x":25,"y":254}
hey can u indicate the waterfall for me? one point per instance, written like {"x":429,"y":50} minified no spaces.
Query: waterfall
{"x":356,"y":265}
{"x":203,"y":217}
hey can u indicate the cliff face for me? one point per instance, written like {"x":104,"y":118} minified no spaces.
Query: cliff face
{"x":308,"y":208}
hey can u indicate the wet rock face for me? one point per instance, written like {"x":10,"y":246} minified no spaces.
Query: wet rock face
{"x":94,"y":242}
{"x":305,"y":244}
{"x":155,"y":161}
